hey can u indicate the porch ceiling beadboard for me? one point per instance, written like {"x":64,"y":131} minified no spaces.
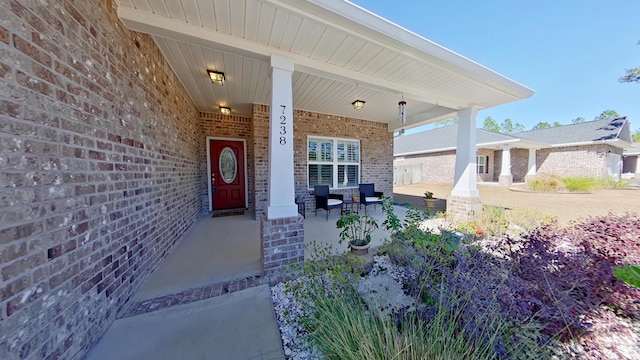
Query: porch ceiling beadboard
{"x":342,"y":52}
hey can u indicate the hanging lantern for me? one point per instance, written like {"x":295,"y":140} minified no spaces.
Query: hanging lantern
{"x":402,"y":113}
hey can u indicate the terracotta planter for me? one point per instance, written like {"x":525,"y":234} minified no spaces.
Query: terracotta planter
{"x":354,"y":199}
{"x":430,"y":203}
{"x":359,"y":249}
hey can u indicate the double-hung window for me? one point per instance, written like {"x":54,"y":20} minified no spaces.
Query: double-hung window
{"x":333,"y":161}
{"x":482,"y":163}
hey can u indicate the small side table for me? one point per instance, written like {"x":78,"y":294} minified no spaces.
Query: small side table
{"x":346,"y":203}
{"x":301,"y":206}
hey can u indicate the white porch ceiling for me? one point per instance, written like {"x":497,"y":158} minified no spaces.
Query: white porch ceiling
{"x":341,"y":53}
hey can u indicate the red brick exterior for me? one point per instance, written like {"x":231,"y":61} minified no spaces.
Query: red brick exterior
{"x":519,"y":163}
{"x":440,"y":167}
{"x":376,"y":151}
{"x":491,"y":170}
{"x":584,"y":160}
{"x":282,"y":245}
{"x":101,"y":157}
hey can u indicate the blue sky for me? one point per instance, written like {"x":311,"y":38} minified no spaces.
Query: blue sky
{"x":570,"y":52}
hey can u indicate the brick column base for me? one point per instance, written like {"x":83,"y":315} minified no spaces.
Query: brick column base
{"x":463,"y":208}
{"x":505,"y":180}
{"x":282,"y":245}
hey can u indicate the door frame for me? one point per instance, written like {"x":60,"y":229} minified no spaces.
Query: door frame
{"x":246,"y":175}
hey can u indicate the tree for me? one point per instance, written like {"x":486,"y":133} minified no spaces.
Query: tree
{"x":508,"y":126}
{"x":636,"y":136}
{"x":490,"y":125}
{"x":608,"y":114}
{"x":578,"y":120}
{"x":632,"y":75}
{"x":541,"y":125}
{"x":544,"y":125}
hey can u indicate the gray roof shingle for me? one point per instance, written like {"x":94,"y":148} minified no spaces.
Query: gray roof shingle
{"x":445,"y":138}
{"x":590,"y":131}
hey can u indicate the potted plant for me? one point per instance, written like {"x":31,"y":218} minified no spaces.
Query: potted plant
{"x":356,"y":231}
{"x":354,"y":196}
{"x":429,"y":201}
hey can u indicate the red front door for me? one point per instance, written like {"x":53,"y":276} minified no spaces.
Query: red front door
{"x":227,"y":174}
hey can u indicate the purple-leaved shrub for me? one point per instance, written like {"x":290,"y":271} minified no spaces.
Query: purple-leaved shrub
{"x":564,"y":274}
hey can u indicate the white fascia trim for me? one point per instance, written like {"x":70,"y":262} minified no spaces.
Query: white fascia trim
{"x":406,"y":40}
{"x":519,"y":143}
{"x":177,"y":30}
{"x":424,"y":151}
{"x":615,"y":142}
{"x":534,"y":145}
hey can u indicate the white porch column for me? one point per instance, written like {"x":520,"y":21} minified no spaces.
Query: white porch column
{"x":464,"y":203}
{"x":281,"y":196}
{"x":532,"y":163}
{"x":465,"y":182}
{"x":506,"y":178}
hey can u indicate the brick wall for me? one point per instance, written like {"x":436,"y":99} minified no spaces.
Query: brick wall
{"x":260,"y":133}
{"x":585,"y":160}
{"x":226,"y":126}
{"x":440,"y":167}
{"x":376,"y":150}
{"x":491,"y":171}
{"x":282,"y":246}
{"x":100,"y":155}
{"x":519,"y":164}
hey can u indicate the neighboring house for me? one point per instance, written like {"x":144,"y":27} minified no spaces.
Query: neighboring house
{"x":591,"y":149}
{"x":631,"y":161}
{"x":115,"y":139}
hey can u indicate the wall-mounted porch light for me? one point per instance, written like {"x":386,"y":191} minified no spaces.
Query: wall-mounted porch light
{"x":225,"y":110}
{"x":358,"y":104}
{"x":217,"y":77}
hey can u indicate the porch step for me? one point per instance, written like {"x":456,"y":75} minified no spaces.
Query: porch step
{"x":228,"y":212}
{"x":192,"y":295}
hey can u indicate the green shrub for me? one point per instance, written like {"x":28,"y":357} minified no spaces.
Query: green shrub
{"x":610,"y":182}
{"x":543,"y":182}
{"x":630,"y":274}
{"x":580,"y":184}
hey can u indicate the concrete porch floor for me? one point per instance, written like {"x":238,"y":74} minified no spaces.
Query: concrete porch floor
{"x":320,"y":231}
{"x":215,"y":250}
{"x":223,"y":249}
{"x":202,"y":301}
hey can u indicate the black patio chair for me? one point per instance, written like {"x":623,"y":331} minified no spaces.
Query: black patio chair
{"x":369,"y":196}
{"x":327,"y":201}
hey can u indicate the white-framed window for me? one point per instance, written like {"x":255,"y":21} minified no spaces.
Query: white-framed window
{"x":333,"y":161}
{"x":482,"y":164}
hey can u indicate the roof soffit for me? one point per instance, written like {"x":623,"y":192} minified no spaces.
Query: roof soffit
{"x":392,"y":59}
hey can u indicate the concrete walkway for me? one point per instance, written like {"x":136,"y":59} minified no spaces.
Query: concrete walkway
{"x":239,"y":325}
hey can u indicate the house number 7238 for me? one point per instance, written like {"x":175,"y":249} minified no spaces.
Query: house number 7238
{"x":283,"y":126}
